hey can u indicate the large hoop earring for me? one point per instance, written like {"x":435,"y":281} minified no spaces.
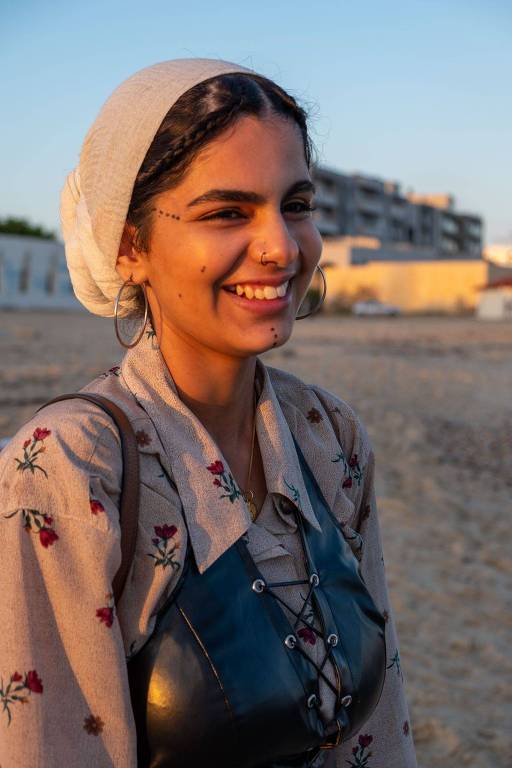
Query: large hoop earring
{"x":322,"y":297}
{"x":116,"y":306}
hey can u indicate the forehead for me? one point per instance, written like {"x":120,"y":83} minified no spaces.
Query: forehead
{"x":262,"y":152}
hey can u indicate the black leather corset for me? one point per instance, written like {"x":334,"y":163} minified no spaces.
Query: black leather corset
{"x":223,"y":680}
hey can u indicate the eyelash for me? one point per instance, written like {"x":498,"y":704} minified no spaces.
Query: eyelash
{"x":219,"y":215}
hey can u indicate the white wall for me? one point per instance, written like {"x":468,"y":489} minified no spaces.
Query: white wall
{"x":34,"y":274}
{"x":495,"y":304}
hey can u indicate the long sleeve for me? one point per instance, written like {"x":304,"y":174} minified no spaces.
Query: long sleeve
{"x":386,"y":739}
{"x":63,"y":680}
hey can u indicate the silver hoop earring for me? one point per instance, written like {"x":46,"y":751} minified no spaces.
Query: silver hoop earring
{"x":116,"y":307}
{"x":322,"y":297}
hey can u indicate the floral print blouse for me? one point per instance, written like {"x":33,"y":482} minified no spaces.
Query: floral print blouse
{"x":63,"y":646}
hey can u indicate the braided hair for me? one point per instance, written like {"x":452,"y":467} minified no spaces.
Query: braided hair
{"x":196,"y":118}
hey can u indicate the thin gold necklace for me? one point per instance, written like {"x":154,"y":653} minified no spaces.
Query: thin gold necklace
{"x":248,"y":494}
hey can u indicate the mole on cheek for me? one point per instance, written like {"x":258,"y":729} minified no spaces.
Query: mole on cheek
{"x":203,"y":269}
{"x":179,"y":294}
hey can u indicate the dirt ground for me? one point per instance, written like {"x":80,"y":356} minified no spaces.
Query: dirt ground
{"x":436,"y":397}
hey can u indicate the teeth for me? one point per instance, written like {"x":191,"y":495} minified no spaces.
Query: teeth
{"x":262,"y":292}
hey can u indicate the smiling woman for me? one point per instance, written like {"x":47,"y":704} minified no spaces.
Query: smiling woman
{"x":251,"y":627}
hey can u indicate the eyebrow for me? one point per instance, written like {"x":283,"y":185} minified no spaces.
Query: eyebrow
{"x":240,"y":196}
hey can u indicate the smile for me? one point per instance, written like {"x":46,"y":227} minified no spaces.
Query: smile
{"x":260,"y":292}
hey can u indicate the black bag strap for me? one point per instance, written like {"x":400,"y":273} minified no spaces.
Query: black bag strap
{"x":129,"y":500}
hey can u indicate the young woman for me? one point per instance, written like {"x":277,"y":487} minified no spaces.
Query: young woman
{"x":254,"y":630}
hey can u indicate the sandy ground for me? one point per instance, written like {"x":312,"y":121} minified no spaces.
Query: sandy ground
{"x":435,"y":395}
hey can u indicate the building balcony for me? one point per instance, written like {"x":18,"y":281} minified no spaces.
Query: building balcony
{"x":449,"y":226}
{"x":327,"y":227}
{"x":329,"y":197}
{"x":367,"y":204}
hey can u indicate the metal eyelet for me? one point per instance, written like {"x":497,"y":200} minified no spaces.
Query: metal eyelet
{"x":258,"y":585}
{"x":332,"y":640}
{"x":290,"y":641}
{"x":314,"y":579}
{"x":312,"y":701}
{"x":346,"y":701}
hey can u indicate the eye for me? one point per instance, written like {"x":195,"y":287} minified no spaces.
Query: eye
{"x":301,"y":206}
{"x":226,"y":213}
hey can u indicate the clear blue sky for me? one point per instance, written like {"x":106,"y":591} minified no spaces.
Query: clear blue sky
{"x":417,"y":92}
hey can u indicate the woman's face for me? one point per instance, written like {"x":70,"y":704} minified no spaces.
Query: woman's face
{"x":246,"y":193}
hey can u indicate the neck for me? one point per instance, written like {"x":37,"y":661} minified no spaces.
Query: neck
{"x":218,"y":389}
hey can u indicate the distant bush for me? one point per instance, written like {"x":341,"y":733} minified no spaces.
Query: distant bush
{"x":14,"y":226}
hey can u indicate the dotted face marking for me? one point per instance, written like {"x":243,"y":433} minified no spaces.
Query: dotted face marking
{"x":203,"y":269}
{"x":166,"y":214}
{"x":179,"y":294}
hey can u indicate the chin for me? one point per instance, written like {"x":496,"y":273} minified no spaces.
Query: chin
{"x":266,"y":344}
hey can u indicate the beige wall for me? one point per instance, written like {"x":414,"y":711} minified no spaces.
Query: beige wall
{"x":414,"y":286}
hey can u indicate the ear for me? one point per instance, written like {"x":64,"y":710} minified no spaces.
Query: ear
{"x":130,"y":263}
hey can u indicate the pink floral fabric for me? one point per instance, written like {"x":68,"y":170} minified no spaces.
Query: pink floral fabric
{"x":64,"y":644}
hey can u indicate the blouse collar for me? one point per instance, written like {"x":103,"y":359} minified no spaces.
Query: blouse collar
{"x":214,"y":509}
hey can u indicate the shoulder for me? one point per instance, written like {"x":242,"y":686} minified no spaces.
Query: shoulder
{"x":320,"y":410}
{"x":58,"y":455}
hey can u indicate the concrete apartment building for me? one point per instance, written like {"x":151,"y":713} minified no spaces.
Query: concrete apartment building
{"x":407,"y":226}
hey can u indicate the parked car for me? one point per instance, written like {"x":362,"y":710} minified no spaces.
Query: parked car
{"x":374,"y":307}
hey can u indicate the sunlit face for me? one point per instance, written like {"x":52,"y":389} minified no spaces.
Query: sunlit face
{"x":246,"y":193}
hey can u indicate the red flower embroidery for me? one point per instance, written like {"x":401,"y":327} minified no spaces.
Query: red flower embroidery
{"x":165,"y":549}
{"x":226,"y":481}
{"x":96,"y":506}
{"x":365,"y":741}
{"x":93,"y":725}
{"x":18,"y":690}
{"x":351,"y":469}
{"x":165,"y":531}
{"x":307,"y":635}
{"x":353,"y":461}
{"x":41,"y":433}
{"x":142,"y":437}
{"x":106,"y":615}
{"x":47,"y":537}
{"x":33,"y":682}
{"x":314,"y":416}
{"x":31,"y":451}
{"x":37,"y":522}
{"x":216,"y":468}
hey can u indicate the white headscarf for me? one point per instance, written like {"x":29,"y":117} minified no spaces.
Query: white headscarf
{"x":97,"y":194}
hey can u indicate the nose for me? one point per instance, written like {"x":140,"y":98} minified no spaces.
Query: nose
{"x":275,"y":244}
